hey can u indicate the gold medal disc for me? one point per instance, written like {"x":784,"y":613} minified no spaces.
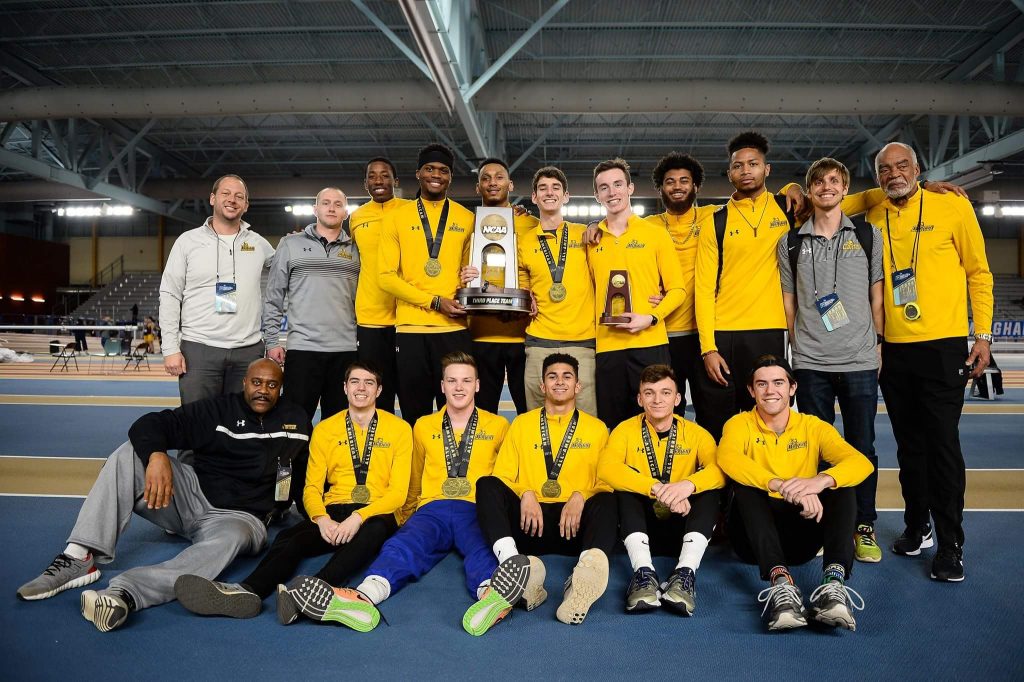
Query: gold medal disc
{"x":912,"y":311}
{"x":661,"y":511}
{"x":432,"y":267}
{"x":360,"y":494}
{"x":557,"y":292}
{"x":455,"y":487}
{"x":551,"y":488}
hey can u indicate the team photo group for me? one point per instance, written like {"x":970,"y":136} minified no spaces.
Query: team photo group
{"x":766,"y":311}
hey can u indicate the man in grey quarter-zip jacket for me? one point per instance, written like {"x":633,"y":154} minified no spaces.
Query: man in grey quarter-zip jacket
{"x":316,"y":271}
{"x":210,"y":297}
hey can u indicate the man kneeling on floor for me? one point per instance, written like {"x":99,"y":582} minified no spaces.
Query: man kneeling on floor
{"x":784,"y":510}
{"x":244,"y":444}
{"x":544,"y":500}
{"x":668,"y":488}
{"x":451,"y":450}
{"x":362,"y":456}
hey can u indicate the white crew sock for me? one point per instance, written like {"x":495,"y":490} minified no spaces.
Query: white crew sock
{"x":638,"y":546}
{"x":376,"y":588}
{"x":505,"y":548}
{"x":694,"y":545}
{"x":76,"y":551}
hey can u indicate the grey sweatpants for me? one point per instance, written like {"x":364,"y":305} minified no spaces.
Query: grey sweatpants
{"x":217,"y":535}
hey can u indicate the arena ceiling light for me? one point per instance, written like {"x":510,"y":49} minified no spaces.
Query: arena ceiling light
{"x":1003,"y":210}
{"x":307,"y":209}
{"x":104,"y":211}
{"x":594,"y":210}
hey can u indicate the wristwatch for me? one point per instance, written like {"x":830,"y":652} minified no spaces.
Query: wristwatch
{"x":654,"y":319}
{"x":983,"y":337}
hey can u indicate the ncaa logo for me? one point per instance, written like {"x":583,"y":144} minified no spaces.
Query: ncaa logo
{"x":494,"y":227}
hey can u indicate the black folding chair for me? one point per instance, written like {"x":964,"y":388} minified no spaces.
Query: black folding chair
{"x":66,"y":355}
{"x":138,"y":356}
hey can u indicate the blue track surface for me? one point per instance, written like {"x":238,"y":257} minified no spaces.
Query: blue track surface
{"x":913,"y":628}
{"x":73,"y":387}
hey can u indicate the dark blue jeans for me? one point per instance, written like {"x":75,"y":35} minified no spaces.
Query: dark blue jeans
{"x":857,"y":393}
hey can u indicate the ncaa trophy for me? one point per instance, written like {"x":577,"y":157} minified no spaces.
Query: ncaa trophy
{"x":617,"y":299}
{"x":493,"y":253}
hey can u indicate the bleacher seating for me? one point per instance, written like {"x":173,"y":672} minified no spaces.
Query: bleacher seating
{"x":1008,"y":295}
{"x":116,"y":299}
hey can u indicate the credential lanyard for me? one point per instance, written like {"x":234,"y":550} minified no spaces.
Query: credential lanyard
{"x":557,"y":269}
{"x":360,"y":467}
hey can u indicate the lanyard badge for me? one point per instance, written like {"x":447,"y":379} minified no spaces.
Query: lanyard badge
{"x":833,"y":314}
{"x":284,"y":482}
{"x":225,"y":299}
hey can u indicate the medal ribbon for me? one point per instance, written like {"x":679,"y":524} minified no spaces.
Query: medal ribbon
{"x":554,"y":465}
{"x":917,"y":237}
{"x":360,"y":467}
{"x":456,"y":457}
{"x":670,"y":452}
{"x":557,"y":269}
{"x":433,"y":241}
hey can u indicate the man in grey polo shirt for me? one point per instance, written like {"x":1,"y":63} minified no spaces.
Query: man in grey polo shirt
{"x":210,"y":298}
{"x":831,"y":271}
{"x":316,"y":271}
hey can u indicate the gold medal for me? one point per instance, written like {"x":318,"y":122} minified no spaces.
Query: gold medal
{"x":432,"y":267}
{"x":912,"y":311}
{"x":661,"y":511}
{"x":453,"y":487}
{"x":557,"y":292}
{"x":551,"y":488}
{"x":360,"y":494}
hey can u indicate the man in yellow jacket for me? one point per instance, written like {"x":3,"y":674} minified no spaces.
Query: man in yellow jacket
{"x":545,"y":496}
{"x":934,"y":257}
{"x":785,"y":509}
{"x":667,"y":483}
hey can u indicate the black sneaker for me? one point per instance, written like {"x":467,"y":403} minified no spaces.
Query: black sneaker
{"x":783,"y":607}
{"x":948,"y":564}
{"x":914,"y":540}
{"x":642,"y":593}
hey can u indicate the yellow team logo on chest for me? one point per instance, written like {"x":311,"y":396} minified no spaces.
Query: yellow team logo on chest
{"x":246,"y":246}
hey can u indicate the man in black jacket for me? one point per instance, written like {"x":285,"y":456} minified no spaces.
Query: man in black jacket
{"x":244,"y":444}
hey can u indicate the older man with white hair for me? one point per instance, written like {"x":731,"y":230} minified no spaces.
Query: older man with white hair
{"x":934,"y":257}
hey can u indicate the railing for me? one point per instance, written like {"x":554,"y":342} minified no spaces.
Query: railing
{"x":111,"y":272}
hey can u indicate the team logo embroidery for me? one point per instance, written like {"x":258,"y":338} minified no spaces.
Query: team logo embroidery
{"x":579,"y":444}
{"x":795,"y":444}
{"x":246,"y":246}
{"x":240,"y":422}
{"x":307,"y":249}
{"x":381,"y":443}
{"x":345,"y":253}
{"x":777,"y":223}
{"x":852,"y":245}
{"x":921,"y":227}
{"x":481,"y":435}
{"x":634,"y":244}
{"x":289,"y":427}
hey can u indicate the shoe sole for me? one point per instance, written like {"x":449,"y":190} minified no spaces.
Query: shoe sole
{"x":788,"y":621}
{"x":287,"y":609}
{"x":926,"y":543}
{"x":837,"y":618}
{"x":534,"y":594}
{"x":507,"y":587}
{"x":103,"y":612}
{"x":80,"y":581}
{"x":316,"y":600}
{"x":681,"y":607}
{"x":643,"y":607}
{"x":589,"y":581}
{"x":869,"y":559}
{"x":203,"y":597}
{"x":947,"y":580}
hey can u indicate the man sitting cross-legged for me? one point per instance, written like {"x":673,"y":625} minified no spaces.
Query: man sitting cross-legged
{"x":785,"y":510}
{"x":667,"y":485}
{"x":451,"y":450}
{"x":357,"y":478}
{"x":220,"y":504}
{"x":545,"y":497}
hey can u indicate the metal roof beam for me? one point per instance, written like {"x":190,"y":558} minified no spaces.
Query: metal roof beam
{"x":444,"y":35}
{"x":63,"y":176}
{"x":529,"y":96}
{"x":393,"y":37}
{"x":982,"y":158}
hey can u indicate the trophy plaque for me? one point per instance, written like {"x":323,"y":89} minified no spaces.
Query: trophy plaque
{"x":617,"y":299}
{"x":493,"y":253}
